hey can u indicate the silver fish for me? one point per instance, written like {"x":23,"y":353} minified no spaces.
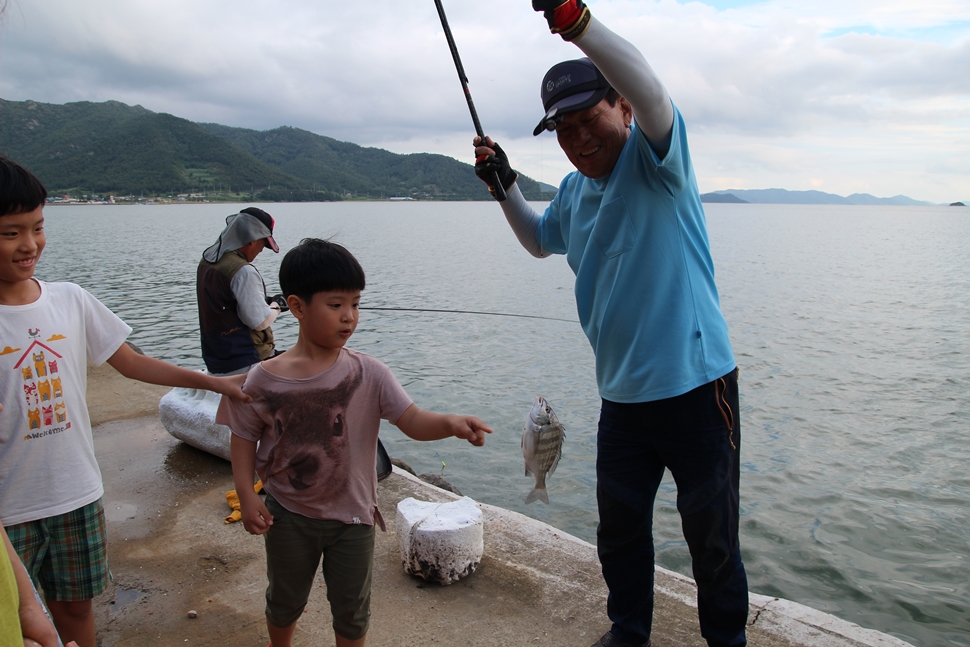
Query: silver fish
{"x":541,"y":446}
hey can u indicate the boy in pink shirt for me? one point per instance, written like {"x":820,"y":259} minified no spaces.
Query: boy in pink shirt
{"x":311,"y":434}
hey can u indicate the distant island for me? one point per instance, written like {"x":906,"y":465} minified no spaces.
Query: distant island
{"x":783,"y":196}
{"x":723,"y":198}
{"x":112,"y":152}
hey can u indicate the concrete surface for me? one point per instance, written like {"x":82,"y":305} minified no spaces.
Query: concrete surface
{"x":171,"y":554}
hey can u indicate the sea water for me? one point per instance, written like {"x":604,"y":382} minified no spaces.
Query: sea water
{"x":851,"y":327}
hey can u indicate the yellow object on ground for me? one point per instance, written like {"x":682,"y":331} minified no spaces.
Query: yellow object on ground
{"x":233,"y":500}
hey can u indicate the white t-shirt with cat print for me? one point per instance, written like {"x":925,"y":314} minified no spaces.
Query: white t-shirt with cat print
{"x":47,"y":463}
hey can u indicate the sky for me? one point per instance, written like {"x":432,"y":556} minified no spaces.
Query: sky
{"x":841,"y":96}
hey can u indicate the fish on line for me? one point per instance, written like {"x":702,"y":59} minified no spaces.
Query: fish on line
{"x":542,"y":441}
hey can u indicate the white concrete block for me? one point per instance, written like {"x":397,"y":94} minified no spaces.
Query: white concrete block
{"x":440,"y":542}
{"x":190,"y":416}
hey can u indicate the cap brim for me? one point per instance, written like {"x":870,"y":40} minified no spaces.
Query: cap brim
{"x":572,"y":103}
{"x":272,"y":244}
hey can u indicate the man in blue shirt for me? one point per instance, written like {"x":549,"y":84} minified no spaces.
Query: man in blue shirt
{"x":631,"y":225}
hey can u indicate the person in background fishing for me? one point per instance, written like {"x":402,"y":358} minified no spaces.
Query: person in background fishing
{"x":234,"y":311}
{"x":632,"y":227}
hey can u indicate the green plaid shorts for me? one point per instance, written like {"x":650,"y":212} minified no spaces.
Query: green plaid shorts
{"x":67,"y":554}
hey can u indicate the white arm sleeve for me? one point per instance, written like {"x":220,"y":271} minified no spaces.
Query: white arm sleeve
{"x":629,"y":73}
{"x":250,"y":292}
{"x":274,"y":312}
{"x":524,"y":221}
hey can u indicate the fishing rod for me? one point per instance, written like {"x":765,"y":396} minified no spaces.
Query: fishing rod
{"x":496,"y":183}
{"x":469,"y":312}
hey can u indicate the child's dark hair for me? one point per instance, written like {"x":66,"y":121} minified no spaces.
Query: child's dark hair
{"x":317,"y":265}
{"x":20,"y":190}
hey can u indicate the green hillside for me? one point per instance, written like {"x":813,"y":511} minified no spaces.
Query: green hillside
{"x":346,"y":168}
{"x":113,"y":148}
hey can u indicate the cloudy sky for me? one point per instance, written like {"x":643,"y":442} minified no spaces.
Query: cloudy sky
{"x":843,"y":96}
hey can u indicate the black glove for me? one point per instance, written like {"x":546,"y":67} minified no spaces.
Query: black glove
{"x":487,"y":166}
{"x":279,"y":300}
{"x":569,"y":19}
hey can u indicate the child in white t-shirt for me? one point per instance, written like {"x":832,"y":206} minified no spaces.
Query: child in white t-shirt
{"x":311,"y":434}
{"x":50,"y":483}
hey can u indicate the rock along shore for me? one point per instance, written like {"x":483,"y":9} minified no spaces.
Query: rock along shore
{"x":173,"y":557}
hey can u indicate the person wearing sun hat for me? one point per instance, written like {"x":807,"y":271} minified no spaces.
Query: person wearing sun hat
{"x":630,"y":222}
{"x":234,"y":312}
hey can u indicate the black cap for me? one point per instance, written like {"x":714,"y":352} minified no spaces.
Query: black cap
{"x":568,"y":87}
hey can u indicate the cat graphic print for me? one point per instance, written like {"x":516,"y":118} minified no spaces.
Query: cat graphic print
{"x":37,"y":369}
{"x":310,"y":440}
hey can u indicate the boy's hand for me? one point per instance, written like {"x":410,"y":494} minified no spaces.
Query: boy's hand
{"x":470,"y":428}
{"x":255,"y":517}
{"x":232,"y":386}
{"x":36,"y":627}
{"x":428,"y":425}
{"x":140,"y":367}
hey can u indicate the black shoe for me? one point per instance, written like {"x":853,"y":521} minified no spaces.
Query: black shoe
{"x":609,"y":640}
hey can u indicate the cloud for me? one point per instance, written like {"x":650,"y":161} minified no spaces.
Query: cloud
{"x":862,"y":94}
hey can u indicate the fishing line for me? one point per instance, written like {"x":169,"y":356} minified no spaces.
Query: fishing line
{"x":469,"y":312}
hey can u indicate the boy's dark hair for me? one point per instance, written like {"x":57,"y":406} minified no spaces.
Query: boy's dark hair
{"x":317,"y":265}
{"x":20,"y":190}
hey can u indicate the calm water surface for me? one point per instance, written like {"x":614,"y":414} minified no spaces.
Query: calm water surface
{"x":850,"y":326}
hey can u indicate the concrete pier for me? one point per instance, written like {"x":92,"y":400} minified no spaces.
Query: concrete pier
{"x":172,"y":554}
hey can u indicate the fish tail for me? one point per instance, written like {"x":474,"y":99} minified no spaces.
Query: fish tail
{"x":538,"y":493}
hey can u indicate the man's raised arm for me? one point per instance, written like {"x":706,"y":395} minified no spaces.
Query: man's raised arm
{"x":620,"y":62}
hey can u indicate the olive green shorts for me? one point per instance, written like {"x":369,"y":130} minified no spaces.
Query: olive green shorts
{"x":294,"y":547}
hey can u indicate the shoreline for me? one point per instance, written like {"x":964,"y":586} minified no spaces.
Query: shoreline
{"x":171,"y":553}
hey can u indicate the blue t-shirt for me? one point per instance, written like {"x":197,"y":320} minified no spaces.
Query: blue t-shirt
{"x":637,"y":242}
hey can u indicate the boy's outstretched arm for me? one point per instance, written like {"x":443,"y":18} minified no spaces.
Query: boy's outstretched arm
{"x":154,"y":371}
{"x":427,"y":425}
{"x":255,"y":517}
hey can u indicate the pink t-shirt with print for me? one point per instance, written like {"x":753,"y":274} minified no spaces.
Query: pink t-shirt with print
{"x":318,"y":436}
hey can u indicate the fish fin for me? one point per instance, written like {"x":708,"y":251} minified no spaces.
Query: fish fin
{"x":527,"y":472}
{"x":552,"y":468}
{"x":538,"y":493}
{"x":528,"y":444}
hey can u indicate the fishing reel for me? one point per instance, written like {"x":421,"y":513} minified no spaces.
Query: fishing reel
{"x":279,"y":300}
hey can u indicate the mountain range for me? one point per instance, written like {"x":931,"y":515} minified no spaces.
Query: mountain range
{"x":783,"y":196}
{"x":88,"y":149}
{"x":112,"y":148}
